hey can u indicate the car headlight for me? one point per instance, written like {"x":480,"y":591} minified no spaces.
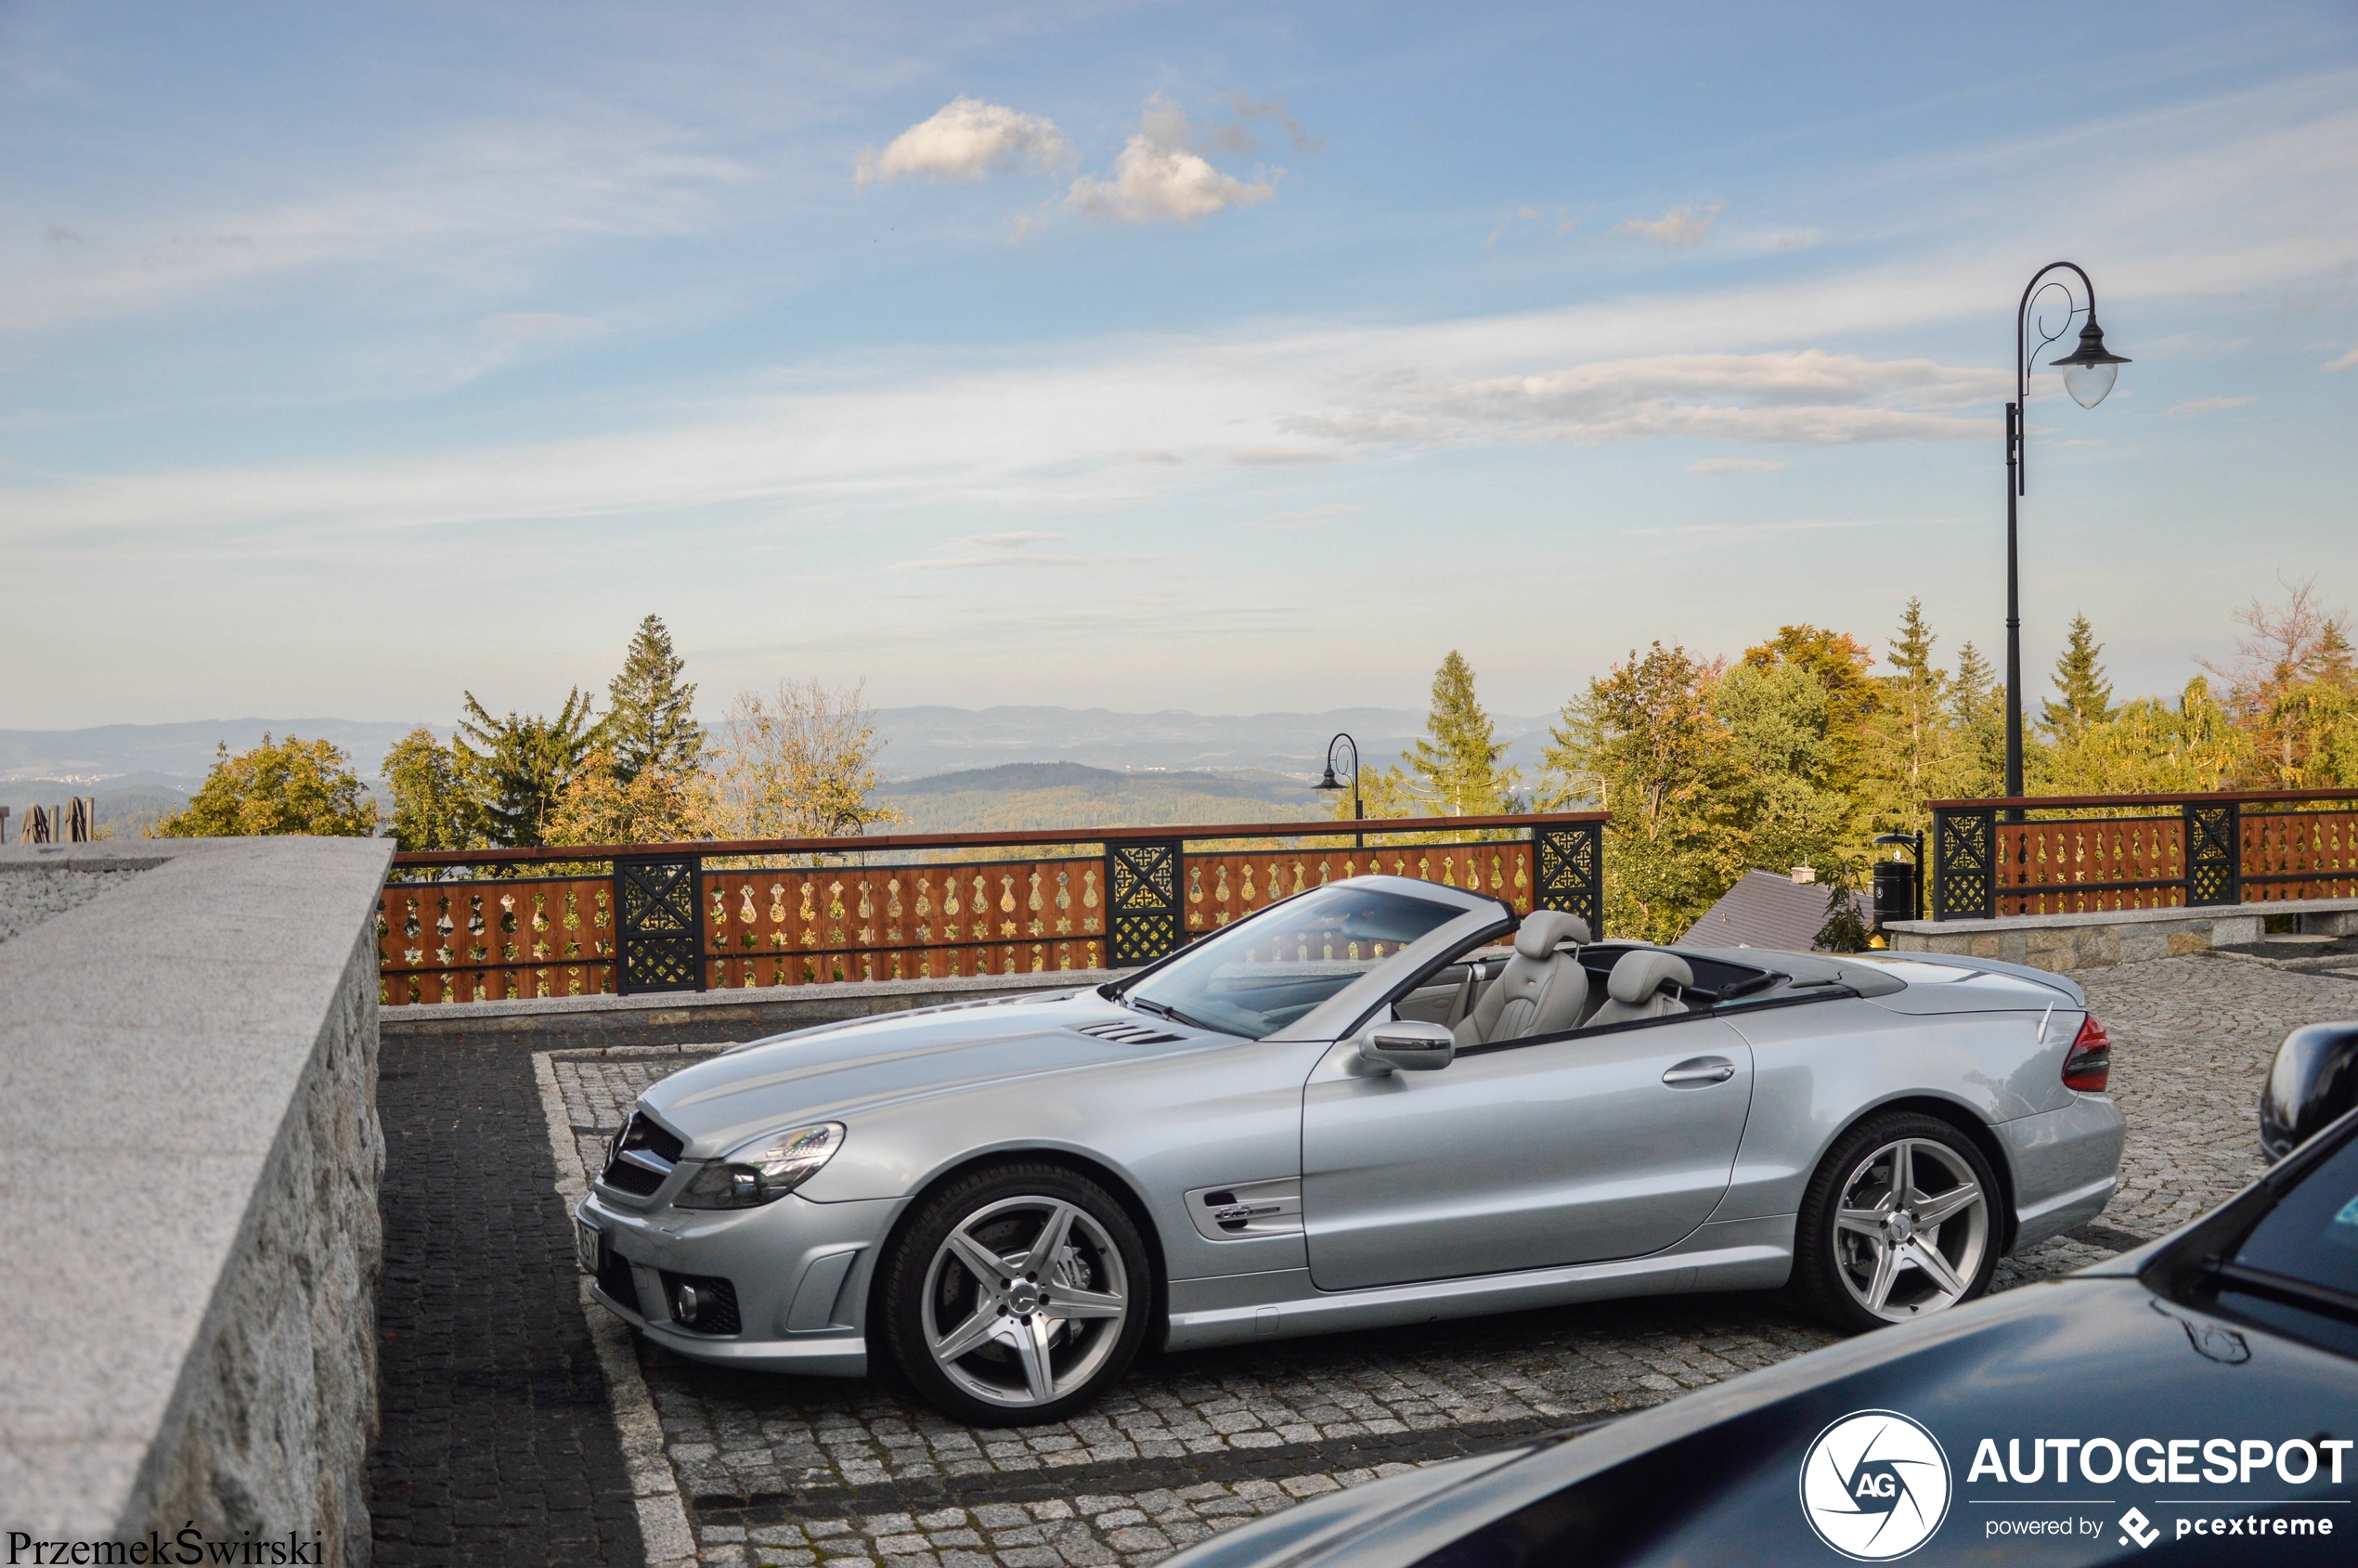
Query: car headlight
{"x":763,"y":1170}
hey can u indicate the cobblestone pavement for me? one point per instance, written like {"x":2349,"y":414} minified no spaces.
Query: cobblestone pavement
{"x":2192,"y":1039}
{"x":791,"y":1471}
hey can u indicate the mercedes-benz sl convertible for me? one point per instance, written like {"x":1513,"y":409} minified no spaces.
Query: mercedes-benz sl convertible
{"x":1382,"y":1101}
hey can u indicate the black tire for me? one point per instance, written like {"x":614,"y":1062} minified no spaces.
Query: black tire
{"x":1837,"y":1268}
{"x":995,"y":1383}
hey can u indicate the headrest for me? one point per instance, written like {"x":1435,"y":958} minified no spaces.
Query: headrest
{"x":1544,"y":928}
{"x":1638,"y":975}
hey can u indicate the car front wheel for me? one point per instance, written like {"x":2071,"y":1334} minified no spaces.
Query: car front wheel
{"x":1897,"y":1224}
{"x":1016,"y":1295}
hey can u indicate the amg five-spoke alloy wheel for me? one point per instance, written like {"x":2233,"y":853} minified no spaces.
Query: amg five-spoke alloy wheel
{"x":1018,"y":1294}
{"x":1897,"y":1224}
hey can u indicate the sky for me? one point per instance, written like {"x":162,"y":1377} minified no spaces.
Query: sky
{"x":1220,"y":357}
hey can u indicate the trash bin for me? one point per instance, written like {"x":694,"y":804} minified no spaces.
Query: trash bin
{"x":1894,"y":891}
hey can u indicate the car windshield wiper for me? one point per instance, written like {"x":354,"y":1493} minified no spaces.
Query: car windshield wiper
{"x":2341,"y":1303}
{"x":1164,"y":1010}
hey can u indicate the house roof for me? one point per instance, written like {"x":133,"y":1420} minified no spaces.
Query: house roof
{"x":1765,"y":910}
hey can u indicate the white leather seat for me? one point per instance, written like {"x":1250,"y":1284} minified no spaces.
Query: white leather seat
{"x":1635,"y":988}
{"x":1539,"y":992}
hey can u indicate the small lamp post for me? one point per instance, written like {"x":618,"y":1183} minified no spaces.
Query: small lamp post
{"x":1358,"y":813}
{"x":2087,"y":374}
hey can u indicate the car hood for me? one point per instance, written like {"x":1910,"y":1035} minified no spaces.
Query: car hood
{"x":834,"y":1071}
{"x":1715,"y":1477}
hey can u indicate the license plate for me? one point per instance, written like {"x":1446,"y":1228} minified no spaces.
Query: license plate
{"x":588,"y":1245}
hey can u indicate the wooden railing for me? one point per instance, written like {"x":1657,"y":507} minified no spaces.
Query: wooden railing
{"x":488,"y":925}
{"x":2081,"y":853}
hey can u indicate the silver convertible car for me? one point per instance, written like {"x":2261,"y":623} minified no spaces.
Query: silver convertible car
{"x":1382,"y":1101}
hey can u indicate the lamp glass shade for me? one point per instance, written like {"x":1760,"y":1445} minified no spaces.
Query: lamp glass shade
{"x":2088,"y":385}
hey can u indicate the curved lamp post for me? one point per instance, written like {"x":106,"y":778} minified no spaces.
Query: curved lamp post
{"x":2088,"y":371}
{"x":1359,"y":840}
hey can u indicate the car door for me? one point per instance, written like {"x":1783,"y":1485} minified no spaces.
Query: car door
{"x":1606,"y":1143}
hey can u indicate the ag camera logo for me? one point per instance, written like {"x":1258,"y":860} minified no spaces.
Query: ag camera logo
{"x":1875,"y":1485}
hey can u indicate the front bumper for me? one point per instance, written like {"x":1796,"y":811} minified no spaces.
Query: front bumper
{"x":800,"y":1271}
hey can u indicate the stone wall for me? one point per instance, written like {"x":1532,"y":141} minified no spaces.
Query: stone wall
{"x":190,"y":1159}
{"x":2097,"y":942}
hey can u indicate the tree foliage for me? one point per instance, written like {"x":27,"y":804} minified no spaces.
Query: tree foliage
{"x":436,"y":804}
{"x":2084,"y":694}
{"x":1458,"y":765}
{"x":799,"y":763}
{"x":521,"y":765}
{"x":292,"y":787}
{"x":650,"y":717}
{"x":659,"y":803}
{"x":1644,"y":741}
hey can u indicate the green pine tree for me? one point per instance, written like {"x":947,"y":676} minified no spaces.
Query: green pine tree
{"x":1977,"y":709}
{"x":523,"y":764}
{"x":2080,"y":681}
{"x":649,"y":719}
{"x":1458,"y":767}
{"x":2334,"y":663}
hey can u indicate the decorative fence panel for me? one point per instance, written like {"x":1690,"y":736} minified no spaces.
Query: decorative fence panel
{"x":816,"y":927}
{"x":493,"y":941}
{"x":2081,"y":854}
{"x":2300,"y":855}
{"x":823,"y":911}
{"x":2080,"y":867}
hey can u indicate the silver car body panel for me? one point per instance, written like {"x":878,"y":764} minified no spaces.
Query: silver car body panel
{"x":1529,"y":1175}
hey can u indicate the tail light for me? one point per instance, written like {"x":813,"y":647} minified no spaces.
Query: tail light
{"x":2087,"y":1065}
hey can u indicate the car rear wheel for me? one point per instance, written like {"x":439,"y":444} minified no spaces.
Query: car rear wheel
{"x":1897,"y":1224}
{"x":1018,"y":1294}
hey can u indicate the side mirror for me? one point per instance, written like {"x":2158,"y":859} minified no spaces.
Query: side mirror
{"x":1409,"y":1047}
{"x":2313,"y":1083}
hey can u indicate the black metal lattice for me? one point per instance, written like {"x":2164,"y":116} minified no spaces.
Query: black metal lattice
{"x":1142,"y":886}
{"x":661,"y":927}
{"x":1570,"y":864}
{"x":1964,"y":864}
{"x":2214,"y":869}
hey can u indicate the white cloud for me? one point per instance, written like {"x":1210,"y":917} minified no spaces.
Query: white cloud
{"x":1807,"y":397}
{"x":1681,"y":227}
{"x":1157,"y":179}
{"x":541,"y":326}
{"x":2201,"y":405}
{"x":1713,"y":468}
{"x":2346,"y":362}
{"x":1238,"y":136}
{"x":1560,"y":223}
{"x":968,"y":139}
{"x":460,"y":200}
{"x":1018,"y":549}
{"x":1307,"y":517}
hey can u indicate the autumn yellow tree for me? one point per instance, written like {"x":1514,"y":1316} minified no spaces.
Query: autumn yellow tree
{"x":292,"y":786}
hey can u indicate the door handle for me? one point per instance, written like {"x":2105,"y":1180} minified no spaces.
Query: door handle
{"x":1700,"y":1070}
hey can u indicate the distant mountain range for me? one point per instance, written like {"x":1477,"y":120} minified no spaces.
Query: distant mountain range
{"x":950,"y":769}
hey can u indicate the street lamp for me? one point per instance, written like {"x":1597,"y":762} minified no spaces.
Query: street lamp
{"x":1359,"y":840}
{"x":2087,"y":374}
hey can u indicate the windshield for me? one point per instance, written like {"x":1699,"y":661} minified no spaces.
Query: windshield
{"x":2297,"y":1269}
{"x":1259,"y":975}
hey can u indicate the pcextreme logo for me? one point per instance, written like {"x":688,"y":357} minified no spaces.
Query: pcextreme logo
{"x":1874,"y":1485}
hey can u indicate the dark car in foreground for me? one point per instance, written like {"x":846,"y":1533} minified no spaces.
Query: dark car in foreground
{"x":2194,"y":1400}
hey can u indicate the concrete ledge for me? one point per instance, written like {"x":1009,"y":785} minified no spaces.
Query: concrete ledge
{"x":190,"y":1158}
{"x":746,"y":1013}
{"x":2127,"y":935}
